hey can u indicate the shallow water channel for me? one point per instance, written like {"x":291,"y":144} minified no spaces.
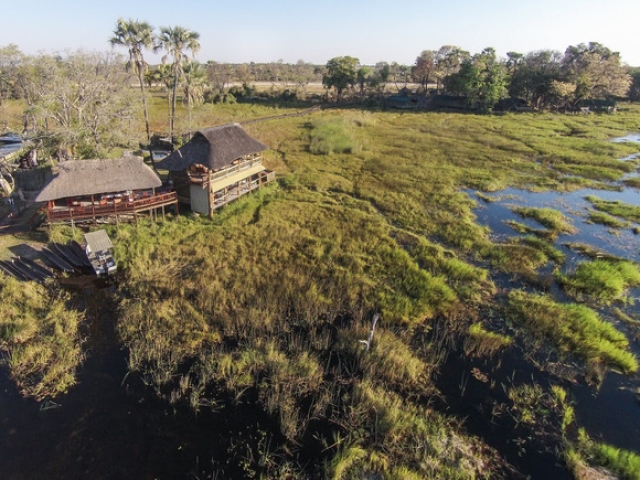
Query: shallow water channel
{"x":611,"y":412}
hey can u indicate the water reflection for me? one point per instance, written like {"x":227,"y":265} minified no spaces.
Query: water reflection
{"x":619,"y":242}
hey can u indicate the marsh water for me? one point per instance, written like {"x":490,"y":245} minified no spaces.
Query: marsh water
{"x":610,"y":412}
{"x":111,"y":426}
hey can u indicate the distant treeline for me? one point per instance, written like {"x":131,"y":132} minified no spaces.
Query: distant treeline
{"x":84,"y":100}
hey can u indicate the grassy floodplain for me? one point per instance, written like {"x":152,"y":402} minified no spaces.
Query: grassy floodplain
{"x":268,"y":303}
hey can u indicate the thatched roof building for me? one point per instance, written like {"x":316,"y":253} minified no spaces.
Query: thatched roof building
{"x":214,"y":147}
{"x":90,"y":177}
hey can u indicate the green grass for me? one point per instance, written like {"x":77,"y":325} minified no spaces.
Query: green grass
{"x":602,"y":280}
{"x":551,"y":219}
{"x":333,"y":136}
{"x":607,"y":220}
{"x":592,"y":252}
{"x":628,"y":319}
{"x":267,"y":303}
{"x":632,"y":182}
{"x":572,"y":329}
{"x":615,"y":208}
{"x":481,"y":342}
{"x":622,"y":463}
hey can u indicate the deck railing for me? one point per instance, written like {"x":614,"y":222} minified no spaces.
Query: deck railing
{"x":91,"y":210}
{"x":203,"y":177}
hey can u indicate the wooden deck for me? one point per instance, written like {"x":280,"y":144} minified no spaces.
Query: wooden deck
{"x":229,"y":191}
{"x":90,"y":211}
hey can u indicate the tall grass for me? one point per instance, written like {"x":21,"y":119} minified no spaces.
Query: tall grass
{"x":622,"y":463}
{"x":39,"y":337}
{"x":572,"y":329}
{"x":601,"y":280}
{"x":615,"y":208}
{"x":552,"y":219}
{"x":267,"y":303}
{"x":333,"y":136}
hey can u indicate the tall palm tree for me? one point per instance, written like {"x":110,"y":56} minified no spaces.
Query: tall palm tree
{"x":136,"y":36}
{"x":194,"y":85}
{"x":176,"y":41}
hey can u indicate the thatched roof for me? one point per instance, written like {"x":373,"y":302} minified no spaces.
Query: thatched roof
{"x":89,"y":177}
{"x":214,"y":147}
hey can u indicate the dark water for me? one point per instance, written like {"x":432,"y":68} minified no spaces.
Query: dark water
{"x":611,"y":412}
{"x":106,"y":427}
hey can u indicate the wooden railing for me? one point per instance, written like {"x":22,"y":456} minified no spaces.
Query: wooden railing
{"x":81,"y":212}
{"x":226,"y":195}
{"x":203,"y":177}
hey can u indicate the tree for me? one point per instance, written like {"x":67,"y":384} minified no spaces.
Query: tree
{"x":194,"y":85}
{"x":533,"y":77}
{"x":596,"y":71}
{"x":10,"y":58}
{"x":425,"y":68}
{"x":135,"y":36}
{"x":380,"y":77}
{"x":164,"y":75}
{"x":514,"y":60}
{"x":449,"y":58}
{"x":80,"y":101}
{"x":176,"y":41}
{"x":482,"y":79}
{"x":400,"y":73}
{"x":341,"y":74}
{"x":634,"y":89}
{"x":363,"y":76}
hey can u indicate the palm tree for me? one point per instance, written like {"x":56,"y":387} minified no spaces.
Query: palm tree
{"x":176,"y":41}
{"x":194,"y":85}
{"x":136,"y":36}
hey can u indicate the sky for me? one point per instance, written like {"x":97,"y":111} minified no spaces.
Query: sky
{"x":372,"y":30}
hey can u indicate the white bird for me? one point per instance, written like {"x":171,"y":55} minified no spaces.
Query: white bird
{"x":367,"y":343}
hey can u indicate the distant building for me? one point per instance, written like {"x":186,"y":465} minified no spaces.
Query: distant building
{"x":85,"y":190}
{"x":217,"y":166}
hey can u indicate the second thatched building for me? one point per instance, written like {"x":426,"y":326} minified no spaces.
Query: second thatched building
{"x":217,"y":166}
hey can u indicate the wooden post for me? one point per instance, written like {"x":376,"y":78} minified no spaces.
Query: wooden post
{"x":210,"y":195}
{"x":93,"y":212}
